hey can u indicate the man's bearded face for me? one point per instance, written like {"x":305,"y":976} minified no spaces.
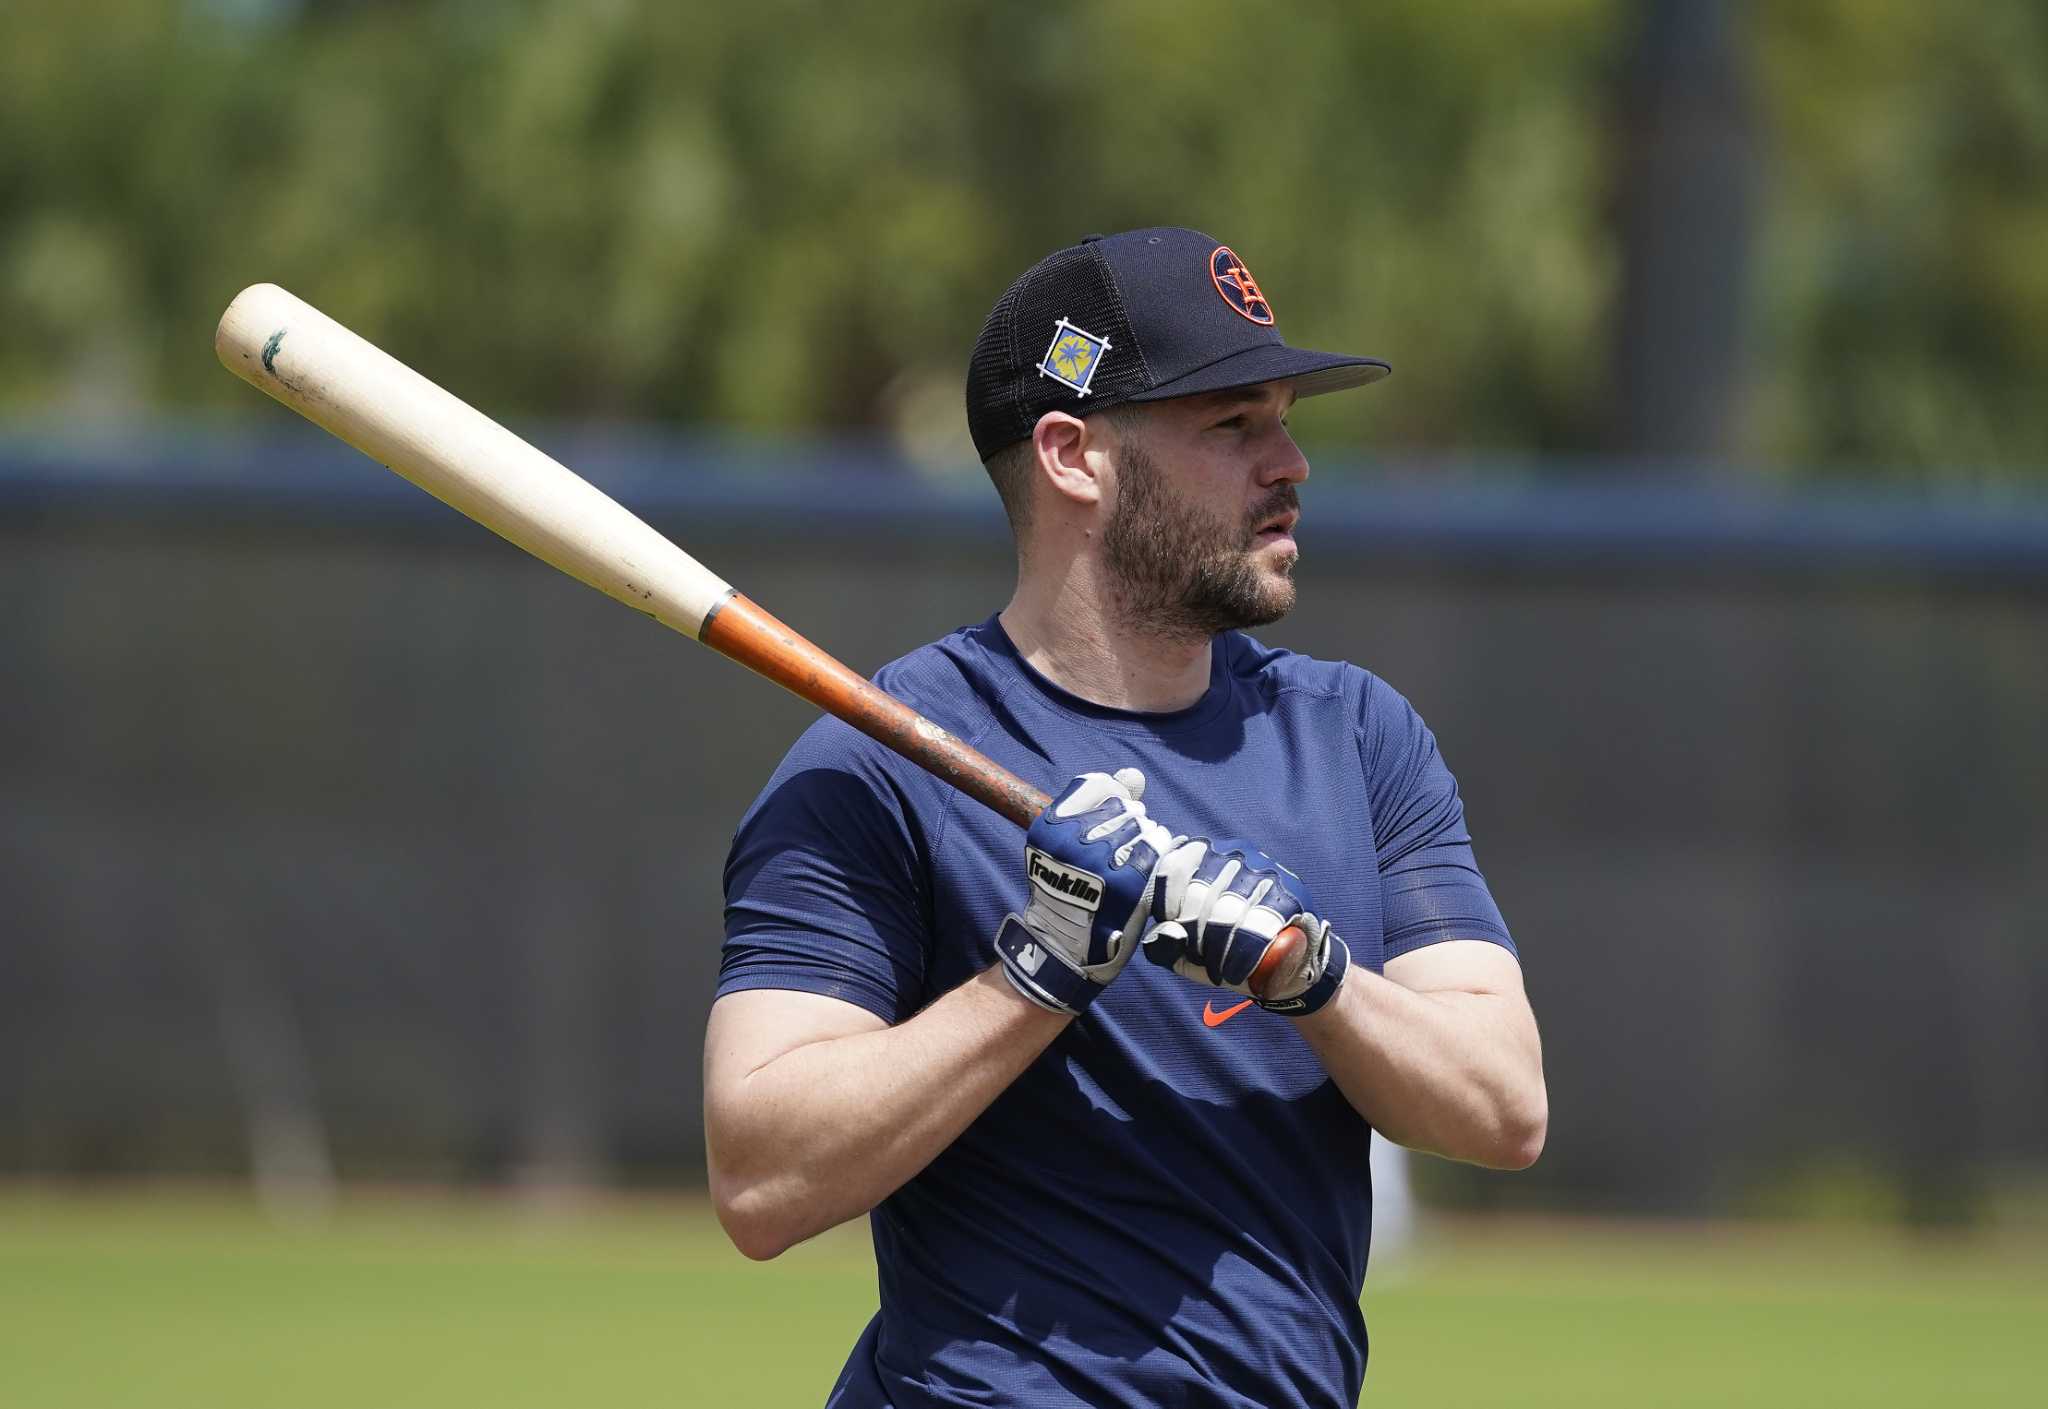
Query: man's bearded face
{"x":1181,"y":569}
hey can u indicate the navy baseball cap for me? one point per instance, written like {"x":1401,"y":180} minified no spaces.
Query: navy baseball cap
{"x":1143,"y":316}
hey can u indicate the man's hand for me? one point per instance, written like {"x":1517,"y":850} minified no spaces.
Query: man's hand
{"x":1224,"y":903}
{"x":1090,"y":859}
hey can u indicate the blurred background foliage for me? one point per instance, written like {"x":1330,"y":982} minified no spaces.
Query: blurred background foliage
{"x":777,"y":215}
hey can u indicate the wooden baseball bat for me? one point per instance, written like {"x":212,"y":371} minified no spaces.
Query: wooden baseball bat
{"x":289,"y":350}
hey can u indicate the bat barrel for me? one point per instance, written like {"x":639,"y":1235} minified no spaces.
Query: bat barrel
{"x":291,"y":351}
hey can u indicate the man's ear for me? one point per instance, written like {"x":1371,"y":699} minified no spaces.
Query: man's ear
{"x":1070,"y":456}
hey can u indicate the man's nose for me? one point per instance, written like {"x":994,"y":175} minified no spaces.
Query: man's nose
{"x":1285,"y":464}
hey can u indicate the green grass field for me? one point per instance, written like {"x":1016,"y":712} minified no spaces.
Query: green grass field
{"x":172,"y":1300}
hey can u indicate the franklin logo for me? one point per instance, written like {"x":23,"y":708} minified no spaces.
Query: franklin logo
{"x":1081,"y":887}
{"x":1073,"y":356}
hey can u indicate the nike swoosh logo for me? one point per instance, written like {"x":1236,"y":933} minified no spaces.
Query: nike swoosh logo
{"x":1215,"y":1019}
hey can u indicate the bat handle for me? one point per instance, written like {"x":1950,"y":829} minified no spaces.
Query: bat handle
{"x":742,"y":629}
{"x":1278,"y":959}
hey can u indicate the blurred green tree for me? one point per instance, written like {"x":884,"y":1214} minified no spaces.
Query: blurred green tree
{"x":780,"y":215}
{"x":1905,"y":291}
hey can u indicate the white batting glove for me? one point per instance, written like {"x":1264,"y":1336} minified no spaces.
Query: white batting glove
{"x":1089,"y":857}
{"x":1225,"y":903}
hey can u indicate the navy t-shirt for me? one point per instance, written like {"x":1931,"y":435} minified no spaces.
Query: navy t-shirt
{"x":1163,"y":1209}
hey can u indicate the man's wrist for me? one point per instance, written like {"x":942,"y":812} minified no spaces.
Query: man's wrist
{"x":1318,"y":994}
{"x":1005,"y":1003}
{"x":1039,"y":972}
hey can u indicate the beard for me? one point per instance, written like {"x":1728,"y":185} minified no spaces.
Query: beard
{"x":1181,"y":571}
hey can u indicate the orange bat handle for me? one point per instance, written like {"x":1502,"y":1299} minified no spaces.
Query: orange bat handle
{"x":739,"y":628}
{"x":1279,"y":955}
{"x":742,"y":630}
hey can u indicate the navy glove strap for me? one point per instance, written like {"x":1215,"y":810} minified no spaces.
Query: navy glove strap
{"x":1040,"y":974}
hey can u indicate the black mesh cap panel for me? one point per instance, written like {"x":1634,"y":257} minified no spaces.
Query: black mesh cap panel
{"x":1006,"y":391}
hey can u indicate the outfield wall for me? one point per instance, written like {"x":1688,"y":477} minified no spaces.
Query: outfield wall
{"x":334,"y":832}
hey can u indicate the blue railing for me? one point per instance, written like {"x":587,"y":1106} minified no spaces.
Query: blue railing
{"x":1503,"y":515}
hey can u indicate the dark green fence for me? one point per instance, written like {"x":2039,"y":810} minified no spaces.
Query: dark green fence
{"x":334,"y":833}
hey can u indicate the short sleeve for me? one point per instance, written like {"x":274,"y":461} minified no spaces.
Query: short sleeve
{"x":826,"y":886}
{"x":1430,"y":885}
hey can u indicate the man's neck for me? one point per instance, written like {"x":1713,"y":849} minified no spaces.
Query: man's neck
{"x":1070,"y":632}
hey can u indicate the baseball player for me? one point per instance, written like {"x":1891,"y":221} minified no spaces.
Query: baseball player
{"x":1100,"y":1169}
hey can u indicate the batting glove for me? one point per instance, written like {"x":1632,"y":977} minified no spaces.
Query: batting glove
{"x":1089,"y":857}
{"x":1225,"y":904}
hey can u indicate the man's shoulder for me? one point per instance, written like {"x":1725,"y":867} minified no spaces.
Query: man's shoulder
{"x":949,"y":681}
{"x":1274,"y":669}
{"x":1368,"y":701}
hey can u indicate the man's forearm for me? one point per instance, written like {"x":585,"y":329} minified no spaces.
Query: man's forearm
{"x":825,"y":1131}
{"x":1459,"y":1074}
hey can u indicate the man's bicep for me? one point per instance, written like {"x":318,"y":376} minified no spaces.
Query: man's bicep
{"x":751,"y":1028}
{"x":1457,"y":966}
{"x":1481,"y":976}
{"x":826,"y":886}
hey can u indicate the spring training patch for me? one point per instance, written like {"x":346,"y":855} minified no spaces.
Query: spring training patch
{"x":1073,"y":356}
{"x":1082,"y":888}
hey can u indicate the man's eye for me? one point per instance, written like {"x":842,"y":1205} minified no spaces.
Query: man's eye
{"x":1234,"y":423}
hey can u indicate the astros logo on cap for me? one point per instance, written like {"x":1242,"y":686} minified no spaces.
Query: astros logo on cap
{"x":1073,"y":356}
{"x":1239,"y":289}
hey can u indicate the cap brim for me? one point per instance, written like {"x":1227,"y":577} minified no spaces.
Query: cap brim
{"x":1312,"y":373}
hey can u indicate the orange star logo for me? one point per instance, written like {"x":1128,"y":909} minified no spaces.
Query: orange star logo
{"x":1239,"y":289}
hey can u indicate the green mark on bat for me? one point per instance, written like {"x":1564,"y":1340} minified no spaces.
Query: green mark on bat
{"x":270,"y":352}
